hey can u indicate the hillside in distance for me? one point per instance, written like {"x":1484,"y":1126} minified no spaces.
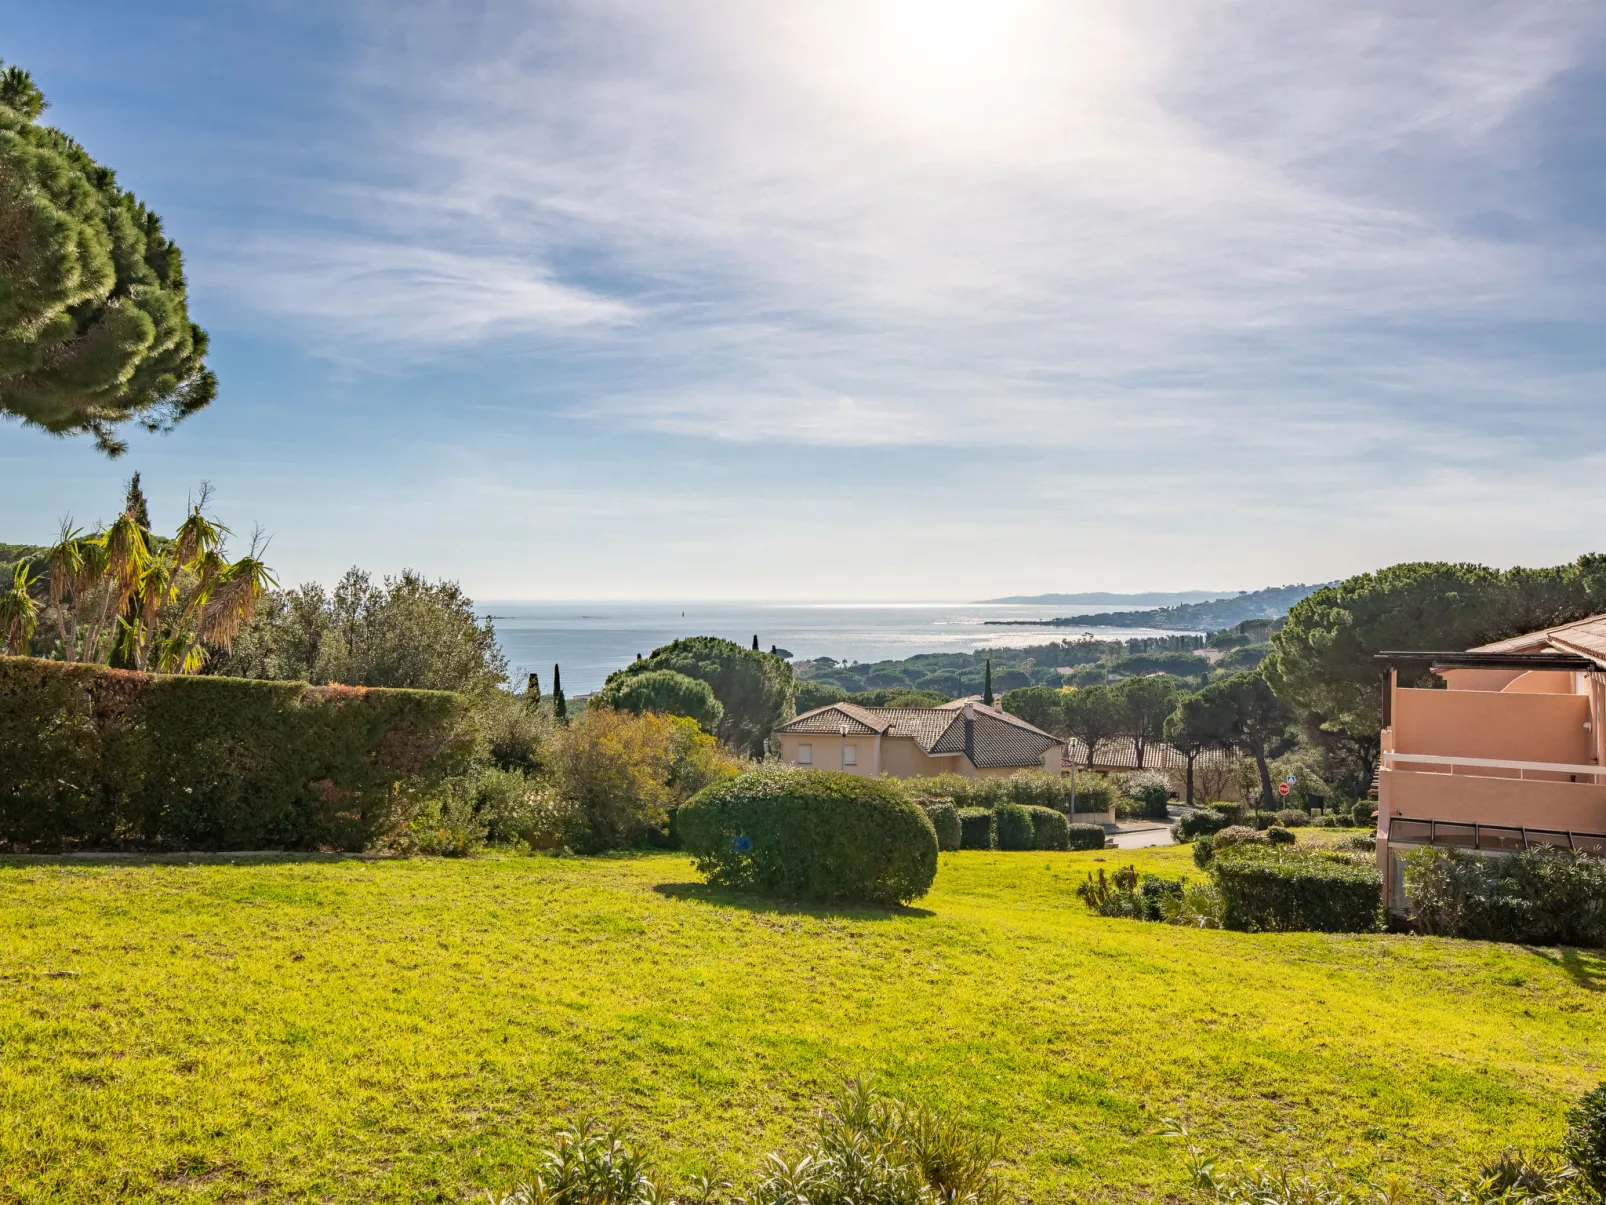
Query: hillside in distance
{"x":1270,"y":603}
{"x":1103,"y":598}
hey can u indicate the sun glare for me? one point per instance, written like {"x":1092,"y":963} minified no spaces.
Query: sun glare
{"x":951,"y":33}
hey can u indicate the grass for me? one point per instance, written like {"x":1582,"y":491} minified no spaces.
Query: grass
{"x":340,"y":1030}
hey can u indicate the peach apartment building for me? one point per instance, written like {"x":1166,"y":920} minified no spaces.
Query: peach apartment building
{"x":1511,"y":755}
{"x":963,"y":737}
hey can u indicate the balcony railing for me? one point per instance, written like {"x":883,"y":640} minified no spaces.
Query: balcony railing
{"x":1493,"y":838}
{"x":1595,"y":773}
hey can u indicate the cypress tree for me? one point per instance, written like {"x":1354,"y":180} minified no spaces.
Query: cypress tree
{"x":532,"y":691}
{"x":987,"y":683}
{"x":134,"y":505}
{"x":755,"y":642}
{"x":560,"y":705}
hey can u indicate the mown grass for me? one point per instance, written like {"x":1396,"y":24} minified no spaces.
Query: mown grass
{"x":413,"y":1030}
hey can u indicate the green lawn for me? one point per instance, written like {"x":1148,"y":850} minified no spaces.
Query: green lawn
{"x":413,"y":1030}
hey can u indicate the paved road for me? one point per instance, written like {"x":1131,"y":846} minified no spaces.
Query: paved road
{"x":1134,"y":836}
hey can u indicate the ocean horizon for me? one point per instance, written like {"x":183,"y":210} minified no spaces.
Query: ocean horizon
{"x":590,"y":639}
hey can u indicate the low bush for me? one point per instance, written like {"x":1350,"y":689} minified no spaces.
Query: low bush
{"x":100,"y":758}
{"x":1285,"y":890}
{"x":1199,"y":821}
{"x":1324,"y":821}
{"x":1094,"y":793}
{"x":1148,"y":788}
{"x":1536,"y":896}
{"x":1238,"y":834}
{"x":1292,"y":818}
{"x":1028,"y":788}
{"x":1585,"y":1141}
{"x":944,"y":818}
{"x":1014,"y":826}
{"x":1280,"y":836}
{"x":1050,"y":829}
{"x":978,"y":828}
{"x":812,"y":835}
{"x":1085,"y":836}
{"x":1155,"y":892}
{"x":1203,"y":849}
{"x":865,"y":1148}
{"x":1234,"y":812}
{"x":1261,"y":820}
{"x":1363,"y":843}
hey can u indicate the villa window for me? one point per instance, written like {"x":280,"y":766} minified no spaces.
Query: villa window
{"x":850,"y":755}
{"x":805,"y":755}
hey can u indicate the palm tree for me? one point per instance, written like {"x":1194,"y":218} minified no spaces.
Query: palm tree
{"x":160,"y":608}
{"x":19,"y":614}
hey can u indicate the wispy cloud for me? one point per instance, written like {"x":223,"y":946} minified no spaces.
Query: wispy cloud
{"x":972,"y":221}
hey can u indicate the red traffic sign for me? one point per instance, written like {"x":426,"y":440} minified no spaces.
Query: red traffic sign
{"x":1282,"y":788}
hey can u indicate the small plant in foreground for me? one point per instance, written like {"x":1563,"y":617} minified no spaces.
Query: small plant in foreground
{"x":1585,"y":1143}
{"x":867,"y":1150}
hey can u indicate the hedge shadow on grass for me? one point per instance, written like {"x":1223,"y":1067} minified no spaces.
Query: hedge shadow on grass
{"x":726,"y":897}
{"x":1586,"y":968}
{"x":196,"y":858}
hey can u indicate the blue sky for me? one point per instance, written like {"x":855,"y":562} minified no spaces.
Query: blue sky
{"x":860,"y":299}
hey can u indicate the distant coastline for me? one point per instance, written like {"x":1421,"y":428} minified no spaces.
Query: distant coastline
{"x":1103,"y":598}
{"x":1211,"y":616}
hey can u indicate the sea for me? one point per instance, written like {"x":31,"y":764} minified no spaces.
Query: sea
{"x":592,"y":639}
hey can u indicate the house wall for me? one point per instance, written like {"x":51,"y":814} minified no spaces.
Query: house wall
{"x":1506,"y":726}
{"x":900,"y":757}
{"x":1478,"y":679}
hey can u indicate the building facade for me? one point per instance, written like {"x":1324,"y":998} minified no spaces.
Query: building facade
{"x":963,"y":737}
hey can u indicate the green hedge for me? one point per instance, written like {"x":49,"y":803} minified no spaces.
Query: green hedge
{"x":944,"y":819}
{"x":811,"y":835}
{"x":94,"y":758}
{"x":1029,"y":788}
{"x":1085,"y":836}
{"x":979,"y":828}
{"x":1014,"y":827}
{"x":1266,"y":889}
{"x":1050,"y":829}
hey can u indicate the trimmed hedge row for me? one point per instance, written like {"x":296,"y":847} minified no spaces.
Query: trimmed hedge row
{"x":1280,"y":889}
{"x":978,"y":827}
{"x":1014,"y":827}
{"x":944,"y":818}
{"x":811,"y":835}
{"x":99,"y":758}
{"x":1084,"y":836}
{"x":1050,"y":829}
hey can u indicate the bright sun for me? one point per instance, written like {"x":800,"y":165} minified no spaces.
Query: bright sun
{"x":953,"y":34}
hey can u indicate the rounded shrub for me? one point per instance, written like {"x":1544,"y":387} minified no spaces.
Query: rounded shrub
{"x":811,"y":835}
{"x":1238,"y":834}
{"x":944,"y":818}
{"x":1292,"y":818}
{"x":1280,"y":836}
{"x":1014,"y":827}
{"x":1197,"y":822}
{"x":1084,"y":836}
{"x":1283,"y":891}
{"x":1203,"y":849}
{"x":1094,"y":793}
{"x":978,"y":828}
{"x":1050,"y":829}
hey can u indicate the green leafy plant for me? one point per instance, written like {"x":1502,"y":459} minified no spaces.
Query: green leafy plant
{"x":1085,"y":836}
{"x":944,"y":818}
{"x":978,"y":828}
{"x":1015,"y":830}
{"x":1200,"y":821}
{"x":1050,"y":829}
{"x":1204,"y":849}
{"x":1585,"y":1142}
{"x":1292,"y":818}
{"x":1280,"y":836}
{"x":1282,"y":890}
{"x":1539,"y":896}
{"x":96,"y":758}
{"x":811,"y":835}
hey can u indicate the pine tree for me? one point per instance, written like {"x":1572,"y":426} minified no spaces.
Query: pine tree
{"x":987,"y":684}
{"x":94,"y":318}
{"x":134,"y":505}
{"x":560,"y":705}
{"x":532,"y":691}
{"x":755,"y":642}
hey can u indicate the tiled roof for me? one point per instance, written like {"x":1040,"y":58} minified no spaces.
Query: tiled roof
{"x":997,"y":738}
{"x":1585,"y":637}
{"x":1119,"y":754}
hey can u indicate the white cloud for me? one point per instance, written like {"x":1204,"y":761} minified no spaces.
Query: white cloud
{"x":965,"y":221}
